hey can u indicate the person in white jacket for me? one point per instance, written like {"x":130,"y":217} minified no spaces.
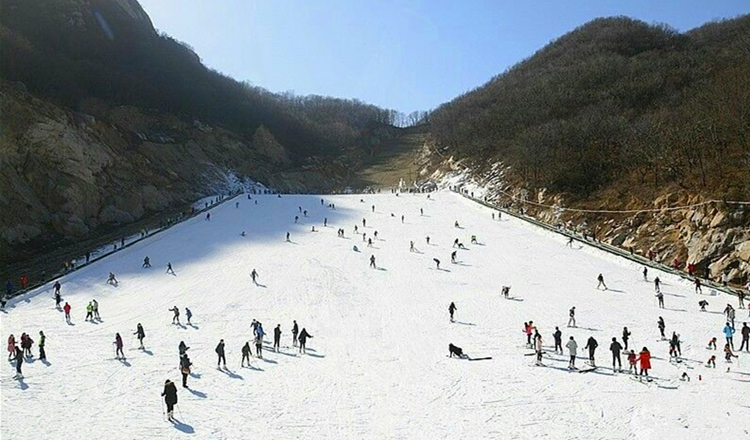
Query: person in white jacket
{"x":572,"y":347}
{"x":538,"y":348}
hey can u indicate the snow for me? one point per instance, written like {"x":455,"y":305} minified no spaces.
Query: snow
{"x":377,"y":366}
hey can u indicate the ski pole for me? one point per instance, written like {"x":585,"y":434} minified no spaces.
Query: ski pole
{"x":178,"y":410}
{"x":163,"y":413}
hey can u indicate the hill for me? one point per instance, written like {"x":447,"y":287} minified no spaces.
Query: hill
{"x":619,"y":114}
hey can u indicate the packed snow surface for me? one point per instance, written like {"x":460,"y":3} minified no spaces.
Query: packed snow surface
{"x":378,"y":365}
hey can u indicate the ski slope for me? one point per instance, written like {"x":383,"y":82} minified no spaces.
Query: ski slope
{"x":377,"y":366}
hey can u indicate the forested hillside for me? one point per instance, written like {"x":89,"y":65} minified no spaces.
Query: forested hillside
{"x":616,"y":101}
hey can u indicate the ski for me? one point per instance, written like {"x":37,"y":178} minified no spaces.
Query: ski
{"x":481,"y":358}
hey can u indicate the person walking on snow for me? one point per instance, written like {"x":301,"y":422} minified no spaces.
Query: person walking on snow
{"x":557,"y":335}
{"x":645,"y":274}
{"x":591,"y":345}
{"x":66,"y":309}
{"x":19,"y":362}
{"x":674,"y":345}
{"x":246,"y":350}
{"x":615,"y":348}
{"x":572,"y":317}
{"x":11,"y":346}
{"x":698,"y":286}
{"x":632,"y":367}
{"x":95,"y":309}
{"x":745,"y":332}
{"x":600,"y":278}
{"x":660,"y":323}
{"x":254,"y":276}
{"x":57,"y":287}
{"x":42,"y":343}
{"x":259,"y":333}
{"x":170,"y":270}
{"x":146,"y":263}
{"x":182,"y":348}
{"x":729,"y":334}
{"x":185,"y":365}
{"x":660,"y":297}
{"x":657,"y":284}
{"x":538,"y":348}
{"x":89,"y":312}
{"x":220,"y":354}
{"x":625,"y":336}
{"x":295,"y":331}
{"x":303,"y":340}
{"x":644,"y":357}
{"x":140,"y":334}
{"x":170,"y":398}
{"x":572,"y":347}
{"x":189,"y":315}
{"x":176,"y":317}
{"x":372,"y":262}
{"x":452,"y":309}
{"x":729,"y":311}
{"x":277,"y":338}
{"x":118,"y":347}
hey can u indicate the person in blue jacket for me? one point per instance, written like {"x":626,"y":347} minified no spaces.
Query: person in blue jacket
{"x":729,"y":333}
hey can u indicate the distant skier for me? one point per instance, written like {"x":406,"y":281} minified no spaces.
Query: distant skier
{"x":259,"y":333}
{"x":728,"y":355}
{"x":455,"y":243}
{"x":288,"y":239}
{"x":95,"y":309}
{"x":254,"y":276}
{"x":711,"y":344}
{"x":11,"y":346}
{"x":19,"y":363}
{"x":745,"y":332}
{"x":66,"y":309}
{"x":325,"y":221}
{"x":146,"y":263}
{"x":453,"y":257}
{"x":176,"y":317}
{"x":454,"y":350}
{"x":296,"y":219}
{"x":189,"y":315}
{"x":58,"y":300}
{"x":572,"y":347}
{"x":57,"y":286}
{"x":428,"y":239}
{"x":645,"y":274}
{"x":118,"y":347}
{"x":246,"y":350}
{"x":295,"y":331}
{"x":437,"y":263}
{"x":372,"y":262}
{"x":369,"y":242}
{"x":572,"y":317}
{"x":170,"y":398}
{"x":703,"y":303}
{"x":729,"y":334}
{"x":452,"y":309}
{"x":625,"y":336}
{"x":140,"y":334}
{"x":220,"y":353}
{"x":364,"y":223}
{"x":89,"y":312}
{"x":303,"y":340}
{"x":277,"y":338}
{"x":538,"y":348}
{"x":570,"y":242}
{"x":660,"y":298}
{"x":505,"y":291}
{"x":591,"y":345}
{"x":675,"y":349}
{"x":112,"y":280}
{"x":660,"y":323}
{"x":182,"y":348}
{"x":170,"y":270}
{"x":411,"y":246}
{"x":600,"y":278}
{"x":698,"y":289}
{"x":473,"y":239}
{"x":644,"y":357}
{"x":557,"y":336}
{"x":208,"y":217}
{"x":729,"y":311}
{"x":615,"y":348}
{"x":657,"y":284}
{"x":632,"y":367}
{"x":185,"y":365}
{"x":711,"y":363}
{"x":41,"y":345}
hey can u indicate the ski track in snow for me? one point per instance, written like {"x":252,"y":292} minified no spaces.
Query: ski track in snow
{"x":377,"y":366}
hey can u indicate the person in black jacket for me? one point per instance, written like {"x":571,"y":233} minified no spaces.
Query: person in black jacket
{"x":303,"y":339}
{"x":220,"y":353}
{"x":19,"y":362}
{"x":170,"y":398}
{"x":452,"y":309}
{"x":557,"y":335}
{"x":246,"y":350}
{"x":591,"y":344}
{"x":277,"y":337}
{"x":615,"y":348}
{"x":140,"y":334}
{"x":745,"y":332}
{"x":295,"y":331}
{"x":185,"y":369}
{"x":625,"y":336}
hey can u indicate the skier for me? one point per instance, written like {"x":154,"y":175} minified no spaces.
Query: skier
{"x":657,"y":284}
{"x":111,"y":279}
{"x":728,"y":355}
{"x":591,"y":345}
{"x":662,"y":326}
{"x":729,"y":311}
{"x":11,"y":346}
{"x":220,"y":353}
{"x":632,"y":363}
{"x":455,"y":243}
{"x":57,"y":287}
{"x":170,"y":398}
{"x":182,"y":348}
{"x":170,"y":270}
{"x":453,"y":257}
{"x":505,"y":291}
{"x":185,"y":369}
{"x":625,"y":336}
{"x":411,"y":246}
{"x":729,"y":333}
{"x":42,"y":342}
{"x":741,"y":297}
{"x":259,"y":333}
{"x":600,"y":278}
{"x":557,"y":336}
{"x":176,"y":317}
{"x":26,"y":343}
{"x":19,"y":362}
{"x":118,"y":347}
{"x":364,"y":223}
{"x":711,"y":363}
{"x":572,"y":318}
{"x":674,"y":345}
{"x":473,"y":239}
{"x":615,"y":348}
{"x":528,"y":329}
{"x":95,"y":309}
{"x":703,"y":303}
{"x":745,"y":337}
{"x":452,"y":309}
{"x":428,"y":239}
{"x":189,"y":315}
{"x":208,"y":217}
{"x":644,"y":357}
{"x":66,"y":309}
{"x":698,"y":286}
{"x":369,"y":242}
{"x":277,"y":337}
{"x":456,"y":225}
{"x":303,"y":340}
{"x":645,"y":274}
{"x":325,"y":221}
{"x":711,"y":344}
{"x":58,"y":300}
{"x":538,"y":348}
{"x":89,"y":312}
{"x":572,"y":347}
{"x":570,"y":242}
{"x":146,"y":263}
{"x":254,"y":276}
{"x":437,"y":263}
{"x":246,"y":354}
{"x":140,"y":334}
{"x":287,"y":238}
{"x":372,"y":262}
{"x":296,"y":219}
{"x":295,"y":331}
{"x":402,"y":219}
{"x":660,"y":297}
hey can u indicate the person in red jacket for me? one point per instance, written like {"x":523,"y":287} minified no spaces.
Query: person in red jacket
{"x":24,"y":281}
{"x":644,"y":357}
{"x":66,"y":308}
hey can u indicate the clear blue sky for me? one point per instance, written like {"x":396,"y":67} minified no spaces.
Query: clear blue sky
{"x":402,"y":54}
